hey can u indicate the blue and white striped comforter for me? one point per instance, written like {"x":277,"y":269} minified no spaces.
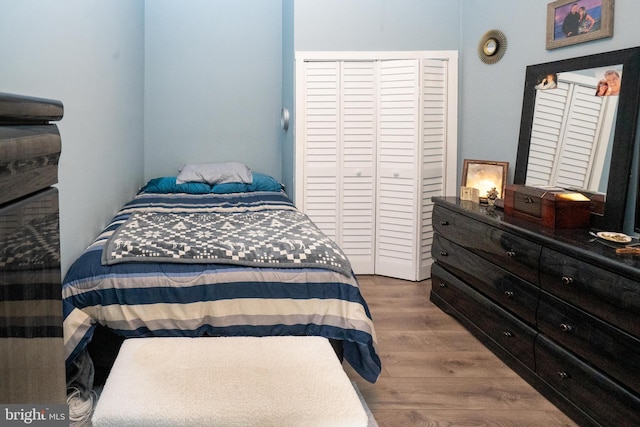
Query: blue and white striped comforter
{"x":176,"y":299}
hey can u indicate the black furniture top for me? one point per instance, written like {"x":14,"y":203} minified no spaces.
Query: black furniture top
{"x":558,"y":306}
{"x":578,"y":243}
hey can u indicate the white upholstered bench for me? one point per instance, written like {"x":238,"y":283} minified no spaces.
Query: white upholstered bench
{"x":235,"y":381}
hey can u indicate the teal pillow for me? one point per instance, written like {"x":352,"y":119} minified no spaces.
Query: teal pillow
{"x":167,"y":184}
{"x":261,"y":182}
{"x":229,"y":187}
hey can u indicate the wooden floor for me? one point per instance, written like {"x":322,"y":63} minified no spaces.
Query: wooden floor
{"x":435,"y":373}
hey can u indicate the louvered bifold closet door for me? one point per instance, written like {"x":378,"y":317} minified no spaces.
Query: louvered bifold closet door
{"x":545,"y":134}
{"x":567,"y":123}
{"x":434,"y":139}
{"x":374,"y":144}
{"x":357,"y":223}
{"x":340,"y":155}
{"x":321,"y":167}
{"x":397,"y":169}
{"x":578,"y":149}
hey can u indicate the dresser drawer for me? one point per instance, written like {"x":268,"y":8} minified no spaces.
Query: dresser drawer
{"x":605,"y":347}
{"x":507,"y":331}
{"x":507,"y":290}
{"x":518,"y":255}
{"x":600,"y":292}
{"x":599,"y":396}
{"x":29,"y":157}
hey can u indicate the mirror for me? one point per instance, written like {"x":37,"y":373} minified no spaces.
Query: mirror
{"x":573,"y":137}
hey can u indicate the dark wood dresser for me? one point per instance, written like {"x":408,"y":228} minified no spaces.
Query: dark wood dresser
{"x":557,"y":306}
{"x":32,"y":369}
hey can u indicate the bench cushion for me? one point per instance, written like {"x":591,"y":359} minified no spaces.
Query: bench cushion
{"x":228,"y":381}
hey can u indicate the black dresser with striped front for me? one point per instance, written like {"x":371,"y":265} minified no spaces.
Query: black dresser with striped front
{"x":557,"y":306}
{"x":32,"y":369}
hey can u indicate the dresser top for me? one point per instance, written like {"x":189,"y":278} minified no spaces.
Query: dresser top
{"x":19,"y":109}
{"x":578,"y":243}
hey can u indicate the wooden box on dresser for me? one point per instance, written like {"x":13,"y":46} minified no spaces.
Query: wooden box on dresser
{"x":557,"y":306}
{"x":32,"y":367}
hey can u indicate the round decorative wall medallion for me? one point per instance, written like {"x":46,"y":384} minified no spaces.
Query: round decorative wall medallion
{"x":492,"y":46}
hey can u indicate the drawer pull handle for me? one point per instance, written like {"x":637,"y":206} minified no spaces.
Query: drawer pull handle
{"x":563,"y":375}
{"x":527,"y":199}
{"x":444,"y":253}
{"x":507,"y":334}
{"x":511,"y":253}
{"x":565,"y":327}
{"x":566,"y":280}
{"x":508,"y":294}
{"x":443,"y":285}
{"x":444,"y":222}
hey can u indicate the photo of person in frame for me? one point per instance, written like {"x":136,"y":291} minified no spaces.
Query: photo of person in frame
{"x":602,"y":88}
{"x":613,"y":80}
{"x":586,"y":21}
{"x":609,"y":84}
{"x":571,"y":22}
{"x":547,"y":82}
{"x":577,"y":18}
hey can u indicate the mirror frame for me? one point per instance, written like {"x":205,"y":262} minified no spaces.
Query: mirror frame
{"x":624,"y":132}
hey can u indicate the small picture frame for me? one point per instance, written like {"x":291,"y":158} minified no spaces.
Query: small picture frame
{"x":469,"y":193}
{"x":576,"y":21}
{"x":484,"y":175}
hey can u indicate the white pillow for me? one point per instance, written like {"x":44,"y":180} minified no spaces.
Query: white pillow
{"x":215,"y":173}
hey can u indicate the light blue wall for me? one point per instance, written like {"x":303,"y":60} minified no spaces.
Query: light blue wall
{"x":213,"y":84}
{"x":368,"y":25}
{"x":89,"y":55}
{"x":288,"y":75}
{"x":329,"y":25}
{"x":148,"y":85}
{"x":491,"y":95}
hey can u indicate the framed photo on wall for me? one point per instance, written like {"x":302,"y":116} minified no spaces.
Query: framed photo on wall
{"x":484,"y":175}
{"x":577,"y":21}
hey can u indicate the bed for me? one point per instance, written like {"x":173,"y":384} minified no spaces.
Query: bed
{"x":228,"y":259}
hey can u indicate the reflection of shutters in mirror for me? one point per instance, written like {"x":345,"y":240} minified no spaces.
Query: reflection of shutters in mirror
{"x":568,"y":124}
{"x":370,"y":153}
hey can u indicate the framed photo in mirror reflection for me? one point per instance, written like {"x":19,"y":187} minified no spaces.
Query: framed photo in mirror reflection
{"x":577,"y":21}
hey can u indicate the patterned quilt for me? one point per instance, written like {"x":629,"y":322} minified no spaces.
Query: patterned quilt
{"x":282,"y":238}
